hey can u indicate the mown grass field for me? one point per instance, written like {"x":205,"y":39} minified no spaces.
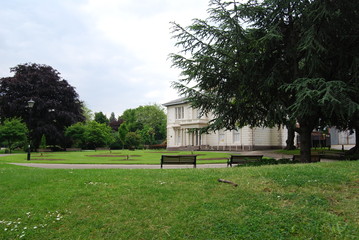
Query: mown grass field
{"x":301,"y":201}
{"x":112,"y":157}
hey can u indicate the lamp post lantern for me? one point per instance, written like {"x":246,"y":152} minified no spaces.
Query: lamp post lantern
{"x":30,"y":105}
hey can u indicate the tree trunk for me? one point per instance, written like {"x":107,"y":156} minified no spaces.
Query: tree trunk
{"x":290,"y":137}
{"x":305,"y":141}
{"x":355,"y":149}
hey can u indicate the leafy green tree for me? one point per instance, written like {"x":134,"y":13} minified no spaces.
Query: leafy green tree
{"x":153,"y":120}
{"x":294,"y":62}
{"x":43,"y":142}
{"x":88,"y":115}
{"x":57,"y":104}
{"x":90,"y":135}
{"x":117,"y":143}
{"x":147,"y":134}
{"x":76,"y":133}
{"x":150,"y":121}
{"x":129,"y":118}
{"x":133,"y":140}
{"x":122,"y":131}
{"x":14,"y":133}
{"x":100,"y":117}
{"x":98,"y":135}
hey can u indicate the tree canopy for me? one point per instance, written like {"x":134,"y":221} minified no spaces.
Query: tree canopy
{"x":272,"y":62}
{"x":13,"y":132}
{"x":100,"y":117}
{"x":90,"y":135}
{"x":57,"y":104}
{"x":148,"y":121}
{"x":145,"y":125}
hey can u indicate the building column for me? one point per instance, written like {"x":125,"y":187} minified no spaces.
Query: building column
{"x":183,"y":141}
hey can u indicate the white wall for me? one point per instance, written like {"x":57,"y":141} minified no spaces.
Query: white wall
{"x":265,"y":137}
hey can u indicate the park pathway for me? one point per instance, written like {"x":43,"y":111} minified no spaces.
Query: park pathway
{"x":268,"y":153}
{"x":114,"y":166}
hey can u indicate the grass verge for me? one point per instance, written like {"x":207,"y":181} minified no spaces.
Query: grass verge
{"x":302,"y":201}
{"x":112,"y":157}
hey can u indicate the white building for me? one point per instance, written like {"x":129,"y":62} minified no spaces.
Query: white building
{"x":342,"y":139}
{"x":183,"y":123}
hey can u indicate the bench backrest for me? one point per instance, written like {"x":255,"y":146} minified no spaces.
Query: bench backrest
{"x":73,"y":149}
{"x":178,"y":158}
{"x":102,"y":148}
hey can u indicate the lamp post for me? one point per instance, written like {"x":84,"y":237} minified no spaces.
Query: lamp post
{"x":30,"y":105}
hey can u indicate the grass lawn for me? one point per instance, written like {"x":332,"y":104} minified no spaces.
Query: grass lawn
{"x":113,"y":157}
{"x":301,"y":201}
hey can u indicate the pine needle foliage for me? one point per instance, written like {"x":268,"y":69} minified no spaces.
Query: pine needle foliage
{"x":272,"y":62}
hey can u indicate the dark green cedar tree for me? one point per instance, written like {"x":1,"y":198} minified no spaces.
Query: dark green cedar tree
{"x":272,"y":62}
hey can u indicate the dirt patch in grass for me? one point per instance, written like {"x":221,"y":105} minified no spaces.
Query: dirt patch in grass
{"x":47,"y":159}
{"x":125,"y":159}
{"x":169,"y":153}
{"x":164,"y":152}
{"x":42,"y":155}
{"x":113,"y":155}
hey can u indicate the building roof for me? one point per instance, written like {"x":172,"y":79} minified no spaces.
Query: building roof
{"x":176,"y":102}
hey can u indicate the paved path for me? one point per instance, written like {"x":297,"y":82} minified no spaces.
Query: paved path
{"x":269,"y":153}
{"x":118,"y":166}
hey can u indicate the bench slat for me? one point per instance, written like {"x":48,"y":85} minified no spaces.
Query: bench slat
{"x":179,"y":159}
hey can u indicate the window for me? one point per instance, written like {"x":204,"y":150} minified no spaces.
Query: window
{"x":179,"y":112}
{"x":236,"y":137}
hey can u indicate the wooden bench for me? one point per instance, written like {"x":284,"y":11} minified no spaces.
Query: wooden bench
{"x":44,"y":150}
{"x":73,"y":149}
{"x":102,"y":149}
{"x":179,"y":159}
{"x":243,"y":159}
{"x":313,"y":158}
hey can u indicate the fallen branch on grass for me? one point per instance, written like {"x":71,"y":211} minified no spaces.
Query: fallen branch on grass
{"x":226,"y":181}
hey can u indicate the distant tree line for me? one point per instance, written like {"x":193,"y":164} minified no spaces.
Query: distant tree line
{"x":145,"y":125}
{"x":59,"y":119}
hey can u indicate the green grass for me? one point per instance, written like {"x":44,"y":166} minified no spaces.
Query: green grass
{"x":301,"y":201}
{"x":113,"y":157}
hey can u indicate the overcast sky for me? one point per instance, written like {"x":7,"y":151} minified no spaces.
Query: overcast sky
{"x":114,"y":52}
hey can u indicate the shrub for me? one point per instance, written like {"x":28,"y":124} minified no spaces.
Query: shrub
{"x":270,"y":161}
{"x":132,"y":140}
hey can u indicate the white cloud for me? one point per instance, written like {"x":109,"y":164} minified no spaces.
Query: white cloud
{"x":115,"y":52}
